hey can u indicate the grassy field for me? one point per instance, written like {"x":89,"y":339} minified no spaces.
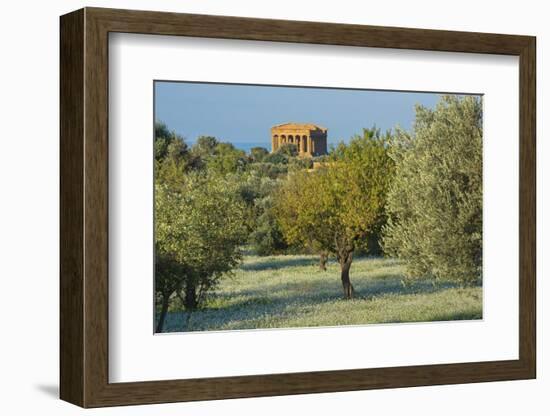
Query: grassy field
{"x":290,"y":291}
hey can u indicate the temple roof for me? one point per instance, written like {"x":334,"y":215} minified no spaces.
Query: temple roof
{"x":299,"y":126}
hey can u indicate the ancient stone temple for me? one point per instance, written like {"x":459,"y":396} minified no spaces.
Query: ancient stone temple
{"x":311,"y":140}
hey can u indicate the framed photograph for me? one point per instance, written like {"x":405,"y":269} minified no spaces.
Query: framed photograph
{"x":255,"y":207}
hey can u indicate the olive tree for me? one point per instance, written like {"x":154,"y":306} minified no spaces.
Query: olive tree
{"x":335,"y":207}
{"x":198,"y":230}
{"x":435,"y":202}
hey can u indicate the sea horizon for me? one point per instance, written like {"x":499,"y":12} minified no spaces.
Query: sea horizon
{"x":247,"y":146}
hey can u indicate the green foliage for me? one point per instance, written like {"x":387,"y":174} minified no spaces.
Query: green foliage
{"x":300,"y":213}
{"x":172,"y":156}
{"x":258,"y":154}
{"x":271,"y":170}
{"x":167,"y":143}
{"x":256,"y":192}
{"x":227,"y":159}
{"x":283,"y":154}
{"x":198,"y":230}
{"x":288,"y":149}
{"x":435,"y":202}
{"x":362,"y":172}
{"x":297,"y":163}
{"x":334,"y":208}
{"x":337,"y":205}
{"x":276,"y":158}
{"x":205,"y":146}
{"x":266,"y":237}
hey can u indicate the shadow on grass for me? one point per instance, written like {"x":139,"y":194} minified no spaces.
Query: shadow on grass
{"x":388,"y":284}
{"x":249,"y":309}
{"x":274,"y":302}
{"x":393,"y":286}
{"x":266,"y":263}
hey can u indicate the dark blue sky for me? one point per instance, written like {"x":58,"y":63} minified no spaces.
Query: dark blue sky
{"x":245,"y":113}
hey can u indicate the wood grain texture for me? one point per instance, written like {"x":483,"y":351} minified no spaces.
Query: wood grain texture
{"x":84,"y":207}
{"x":96,"y":208}
{"x":71,"y":208}
{"x":527,"y":207}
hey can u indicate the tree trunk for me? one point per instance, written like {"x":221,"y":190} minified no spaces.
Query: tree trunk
{"x":323,"y":258}
{"x":345,"y":265}
{"x":190,"y":297}
{"x":163,"y":312}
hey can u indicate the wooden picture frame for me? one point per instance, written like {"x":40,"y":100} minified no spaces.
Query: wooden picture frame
{"x":84,"y":207}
